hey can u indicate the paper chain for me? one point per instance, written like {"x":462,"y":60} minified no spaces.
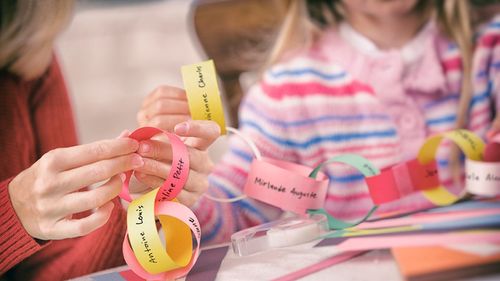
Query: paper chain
{"x":142,"y":247}
{"x":289,"y":186}
{"x":297,"y":188}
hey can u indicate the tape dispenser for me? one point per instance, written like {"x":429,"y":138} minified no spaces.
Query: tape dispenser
{"x":281,"y":233}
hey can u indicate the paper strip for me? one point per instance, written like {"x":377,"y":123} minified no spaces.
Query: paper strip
{"x":285,"y":185}
{"x":183,"y":214}
{"x":177,"y":176}
{"x":389,"y":241}
{"x":471,"y":145}
{"x":200,"y":82}
{"x":492,"y":150}
{"x":430,"y":218}
{"x":358,"y":162}
{"x":142,"y":248}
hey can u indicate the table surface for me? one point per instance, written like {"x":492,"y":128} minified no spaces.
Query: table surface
{"x":377,"y":265}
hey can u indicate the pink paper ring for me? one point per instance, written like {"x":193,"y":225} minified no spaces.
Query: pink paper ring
{"x":286,"y":185}
{"x":179,"y":171}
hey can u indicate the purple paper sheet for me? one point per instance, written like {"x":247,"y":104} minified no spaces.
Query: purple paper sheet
{"x":208,"y":264}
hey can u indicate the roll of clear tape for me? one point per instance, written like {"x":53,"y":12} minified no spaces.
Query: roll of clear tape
{"x":281,"y":233}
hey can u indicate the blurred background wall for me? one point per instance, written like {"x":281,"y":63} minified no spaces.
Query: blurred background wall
{"x":115,"y":52}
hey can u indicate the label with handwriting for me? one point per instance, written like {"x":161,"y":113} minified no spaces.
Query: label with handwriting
{"x":200,"y":82}
{"x":285,"y":185}
{"x":482,"y":178}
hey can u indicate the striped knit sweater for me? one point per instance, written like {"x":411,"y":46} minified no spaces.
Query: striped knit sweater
{"x":320,"y":103}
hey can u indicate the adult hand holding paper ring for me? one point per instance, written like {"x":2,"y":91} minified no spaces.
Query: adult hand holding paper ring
{"x":47,"y":195}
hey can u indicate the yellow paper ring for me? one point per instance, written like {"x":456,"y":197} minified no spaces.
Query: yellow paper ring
{"x":470,"y":144}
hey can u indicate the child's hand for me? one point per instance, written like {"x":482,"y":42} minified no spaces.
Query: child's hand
{"x":47,"y":195}
{"x":158,"y":156}
{"x":495,"y":127}
{"x":167,"y":108}
{"x":164,"y":108}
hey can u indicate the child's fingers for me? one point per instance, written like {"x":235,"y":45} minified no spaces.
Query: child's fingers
{"x":200,"y":161}
{"x":202,"y":133}
{"x":149,"y":181}
{"x":154,"y":173}
{"x":188,"y":198}
{"x":166,"y":107}
{"x":136,"y":186}
{"x":154,"y":149}
{"x":164,"y":92}
{"x":162,"y":151}
{"x":167,"y":122}
{"x":142,"y":119}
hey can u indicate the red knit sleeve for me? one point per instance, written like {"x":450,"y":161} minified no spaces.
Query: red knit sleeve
{"x":40,"y":114}
{"x":53,"y":121}
{"x":15,"y":243}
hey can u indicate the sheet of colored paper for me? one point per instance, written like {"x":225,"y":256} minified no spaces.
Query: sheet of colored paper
{"x":208,"y":264}
{"x":426,"y":219}
{"x":441,"y":263}
{"x":411,"y":240}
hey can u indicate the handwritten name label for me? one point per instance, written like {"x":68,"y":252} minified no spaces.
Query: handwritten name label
{"x":139,"y":210}
{"x":489,"y":177}
{"x":195,"y":225}
{"x":369,"y":168}
{"x":269,"y":185}
{"x":167,"y":192}
{"x":201,"y":85}
{"x":147,"y":249}
{"x":178,"y":170}
{"x":431,"y":173}
{"x":200,"y":82}
{"x":282,"y":189}
{"x":463,"y":134}
{"x":299,"y":194}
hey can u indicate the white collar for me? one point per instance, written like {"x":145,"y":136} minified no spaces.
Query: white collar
{"x":410,"y":52}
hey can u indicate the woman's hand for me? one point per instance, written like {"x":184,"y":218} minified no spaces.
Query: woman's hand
{"x":47,"y":195}
{"x":167,"y":108}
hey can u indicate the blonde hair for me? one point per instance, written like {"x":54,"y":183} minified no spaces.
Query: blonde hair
{"x":28,"y":29}
{"x":305,"y":20}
